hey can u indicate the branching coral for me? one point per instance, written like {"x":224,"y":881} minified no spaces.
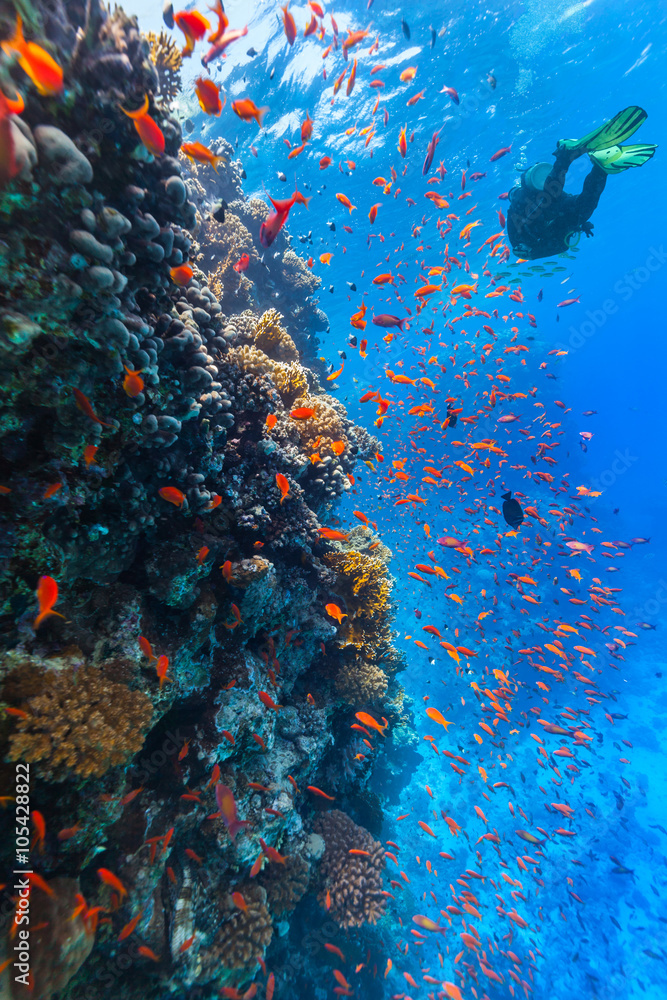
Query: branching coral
{"x":353,"y":881}
{"x":225,"y":246}
{"x":286,"y":884}
{"x":167,"y":59}
{"x":291,"y":381}
{"x":360,"y":682}
{"x":365,"y":581}
{"x":244,"y":933}
{"x":326,"y":426}
{"x":297,"y":275}
{"x":80,"y":724}
{"x":273,"y":339}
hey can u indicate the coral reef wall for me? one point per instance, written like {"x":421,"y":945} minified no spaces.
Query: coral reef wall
{"x":168,"y":456}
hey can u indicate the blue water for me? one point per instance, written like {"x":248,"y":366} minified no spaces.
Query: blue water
{"x":561,"y":68}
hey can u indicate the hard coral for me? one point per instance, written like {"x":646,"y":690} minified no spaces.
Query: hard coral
{"x":360,"y":683}
{"x":353,"y":881}
{"x":273,"y":339}
{"x":286,"y":884}
{"x":365,"y":581}
{"x":243,"y":934}
{"x":167,"y":59}
{"x":80,"y":724}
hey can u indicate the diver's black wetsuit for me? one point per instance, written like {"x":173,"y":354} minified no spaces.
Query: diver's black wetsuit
{"x":539,"y":222}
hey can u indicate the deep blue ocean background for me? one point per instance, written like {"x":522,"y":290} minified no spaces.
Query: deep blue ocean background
{"x":561,"y":69}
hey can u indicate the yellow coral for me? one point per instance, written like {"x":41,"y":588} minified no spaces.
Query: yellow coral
{"x":291,"y":381}
{"x":327,"y":424}
{"x":273,"y":339}
{"x":365,"y":580}
{"x":166,"y":57}
{"x":81,"y":723}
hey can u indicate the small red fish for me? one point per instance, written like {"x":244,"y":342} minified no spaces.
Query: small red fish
{"x":181,"y":275}
{"x":35,"y":61}
{"x":227,"y":805}
{"x":147,"y":128}
{"x":283,"y":485}
{"x":242,"y":263}
{"x":133,"y":384}
{"x":47,"y":595}
{"x":172,"y":495}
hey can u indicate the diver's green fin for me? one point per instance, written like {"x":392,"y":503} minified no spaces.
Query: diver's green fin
{"x":612,"y":133}
{"x":619,"y":158}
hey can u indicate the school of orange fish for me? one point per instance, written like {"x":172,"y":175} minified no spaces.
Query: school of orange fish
{"x":451,"y":385}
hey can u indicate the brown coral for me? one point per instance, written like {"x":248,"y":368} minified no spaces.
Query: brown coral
{"x":273,"y":339}
{"x":167,"y":59}
{"x":359,"y":683}
{"x":353,"y":882}
{"x":286,"y":884}
{"x":81,"y":724}
{"x":243,"y":934}
{"x":224,"y":246}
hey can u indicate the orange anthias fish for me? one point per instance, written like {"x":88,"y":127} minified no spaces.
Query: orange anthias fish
{"x":227,"y":805}
{"x":306,"y":128}
{"x":172,"y":495}
{"x":112,"y":880}
{"x":83,"y":403}
{"x":162,"y":666}
{"x":368,"y":720}
{"x":35,"y":61}
{"x":194,"y":26}
{"x":277,"y":219}
{"x":199,"y":153}
{"x":283,"y":485}
{"x":344,"y":200}
{"x":247,"y":109}
{"x":208,"y":95}
{"x":335,"y":612}
{"x":288,"y":24}
{"x":47,"y":595}
{"x":147,"y":128}
{"x":438,"y":717}
{"x":181,"y":275}
{"x":133,"y":384}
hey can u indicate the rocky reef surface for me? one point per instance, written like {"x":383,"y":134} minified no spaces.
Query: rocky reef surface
{"x":186,"y":713}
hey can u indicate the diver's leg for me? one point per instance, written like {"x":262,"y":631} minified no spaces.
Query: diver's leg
{"x":593,"y":187}
{"x":555,"y":182}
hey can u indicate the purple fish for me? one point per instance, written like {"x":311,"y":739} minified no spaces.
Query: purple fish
{"x":386,"y":320}
{"x":639,"y":541}
{"x":430,"y":152}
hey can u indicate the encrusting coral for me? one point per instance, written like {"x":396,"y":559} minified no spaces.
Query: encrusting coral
{"x":80,"y":724}
{"x":352,"y":882}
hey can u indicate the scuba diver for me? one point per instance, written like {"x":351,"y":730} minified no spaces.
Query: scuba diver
{"x":542,"y":219}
